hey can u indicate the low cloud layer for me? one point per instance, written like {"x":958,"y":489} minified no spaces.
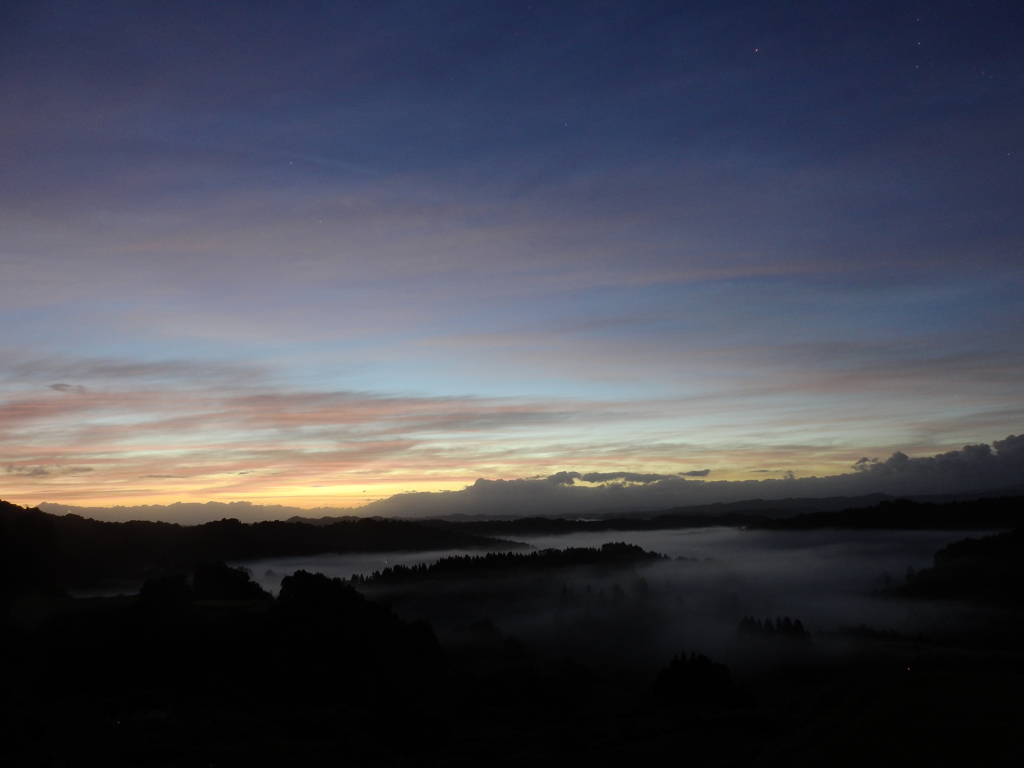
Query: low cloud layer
{"x":541,"y":242}
{"x":973,"y":468}
{"x":570,"y":478}
{"x":115,"y":432}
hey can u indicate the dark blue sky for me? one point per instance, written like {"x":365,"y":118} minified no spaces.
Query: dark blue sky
{"x":302,"y":250}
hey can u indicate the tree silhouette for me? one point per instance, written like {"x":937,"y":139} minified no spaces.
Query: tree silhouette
{"x":699,"y":681}
{"x":217,"y":581}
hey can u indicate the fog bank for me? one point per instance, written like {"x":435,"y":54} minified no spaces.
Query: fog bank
{"x":693,"y":600}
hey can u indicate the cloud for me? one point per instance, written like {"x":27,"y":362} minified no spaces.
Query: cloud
{"x":628,"y":477}
{"x":973,"y":468}
{"x":36,"y":471}
{"x":863,"y":464}
{"x":1011,"y":449}
{"x":569,"y":478}
{"x":40,"y":470}
{"x":981,"y":464}
{"x":68,"y":388}
{"x":190,"y":429}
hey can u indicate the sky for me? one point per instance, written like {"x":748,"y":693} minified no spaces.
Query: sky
{"x":323,"y":253}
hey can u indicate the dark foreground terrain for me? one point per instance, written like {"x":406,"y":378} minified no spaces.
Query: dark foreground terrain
{"x":204,"y":668}
{"x":80,"y":553}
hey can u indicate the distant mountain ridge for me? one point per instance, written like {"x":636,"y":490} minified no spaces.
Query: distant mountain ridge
{"x":196,"y":513}
{"x":790,"y":506}
{"x":907,"y":515}
{"x":770,"y":508}
{"x":899,"y":514}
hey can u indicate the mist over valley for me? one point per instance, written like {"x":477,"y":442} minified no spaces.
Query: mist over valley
{"x":694,"y":598}
{"x":518,"y":384}
{"x":595,"y":630}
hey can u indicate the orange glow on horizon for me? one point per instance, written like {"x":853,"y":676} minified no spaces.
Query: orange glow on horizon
{"x":341,"y":495}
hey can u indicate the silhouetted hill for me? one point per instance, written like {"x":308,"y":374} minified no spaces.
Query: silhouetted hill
{"x":772,"y":508}
{"x":76,"y":552}
{"x":216,"y":581}
{"x":557,"y":525}
{"x":904,"y":514}
{"x":215,"y":671}
{"x":329,"y":520}
{"x":698,"y":681}
{"x":790,"y":506}
{"x":166,"y":679}
{"x":989,"y":570}
{"x":887,"y":513}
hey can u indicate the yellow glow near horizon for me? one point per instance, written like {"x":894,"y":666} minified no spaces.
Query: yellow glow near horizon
{"x":352,"y":495}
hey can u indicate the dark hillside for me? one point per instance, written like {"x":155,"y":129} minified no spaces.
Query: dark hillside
{"x":906,"y":515}
{"x":526,"y":526}
{"x":77,"y":552}
{"x":986,"y":570}
{"x":885,"y":514}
